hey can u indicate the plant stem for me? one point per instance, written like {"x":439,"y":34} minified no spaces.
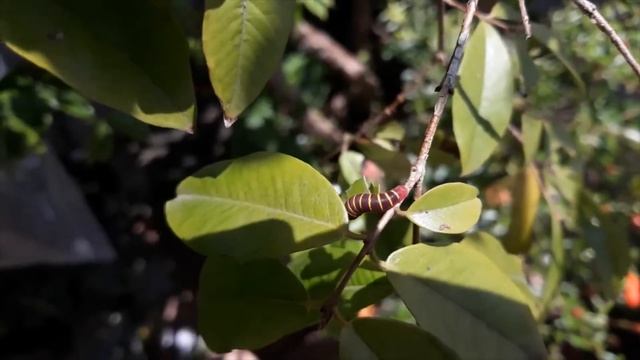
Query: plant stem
{"x":418,"y":168}
{"x":591,"y":10}
{"x":525,"y":18}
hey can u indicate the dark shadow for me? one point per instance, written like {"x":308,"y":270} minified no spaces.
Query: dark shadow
{"x":484,"y":123}
{"x":268,"y":238}
{"x":117,"y":34}
{"x":451,"y":313}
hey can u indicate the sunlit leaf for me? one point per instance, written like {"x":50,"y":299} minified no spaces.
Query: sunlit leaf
{"x":450,"y":208}
{"x":319,"y":8}
{"x":385,"y":339}
{"x":249,"y":305}
{"x":465,"y":300}
{"x":531,"y":135}
{"x":243,"y":42}
{"x":357,"y":187}
{"x":129,"y":55}
{"x":351,"y":165}
{"x":261,"y":205}
{"x":482,"y":102}
{"x":526,"y":197}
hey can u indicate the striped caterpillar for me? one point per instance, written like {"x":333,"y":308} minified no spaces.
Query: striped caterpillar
{"x":378,"y":203}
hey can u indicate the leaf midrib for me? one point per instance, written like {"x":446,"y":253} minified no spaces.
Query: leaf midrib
{"x":256,"y":206}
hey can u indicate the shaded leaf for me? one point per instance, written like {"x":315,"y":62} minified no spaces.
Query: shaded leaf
{"x":385,"y":339}
{"x":526,"y":197}
{"x":607,"y":234}
{"x":397,"y":234}
{"x":482,"y":102}
{"x":510,"y":265}
{"x":104,"y":49}
{"x":261,"y":205}
{"x":450,"y":208}
{"x":243,"y":42}
{"x":319,"y":271}
{"x":466,"y":301}
{"x":249,"y":305}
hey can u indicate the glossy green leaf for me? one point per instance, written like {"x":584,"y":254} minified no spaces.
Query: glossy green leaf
{"x":482,"y":102}
{"x":350,"y":163}
{"x":319,"y":271}
{"x":450,"y":208}
{"x":510,"y":265}
{"x":243,"y":41}
{"x":531,"y":136}
{"x":261,"y":205}
{"x":249,"y":305}
{"x":128,"y":55}
{"x":526,"y":197}
{"x":465,"y":300}
{"x":385,"y":339}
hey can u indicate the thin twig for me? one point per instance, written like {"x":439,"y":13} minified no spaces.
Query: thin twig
{"x":485,"y":17}
{"x":591,"y":10}
{"x":525,"y":18}
{"x":418,"y":168}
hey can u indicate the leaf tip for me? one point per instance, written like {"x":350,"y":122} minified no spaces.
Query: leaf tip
{"x":229,"y":120}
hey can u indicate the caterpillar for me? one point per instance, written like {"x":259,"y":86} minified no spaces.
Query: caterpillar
{"x":378,"y":203}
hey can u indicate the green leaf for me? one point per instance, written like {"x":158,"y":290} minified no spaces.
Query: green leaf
{"x":351,"y":165}
{"x":319,"y":8}
{"x":128,"y":55}
{"x":393,"y":131}
{"x":357,"y":187}
{"x":319,"y":271}
{"x":249,"y":305}
{"x":510,"y":265}
{"x":398,"y":233}
{"x":385,"y":339}
{"x":261,"y":205}
{"x":482,"y":102}
{"x":555,"y":273}
{"x":466,"y":301}
{"x":526,"y":197}
{"x":450,"y":208}
{"x":243,"y":41}
{"x":531,"y":135}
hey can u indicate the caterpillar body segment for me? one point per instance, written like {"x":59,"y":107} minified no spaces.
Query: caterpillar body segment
{"x":377,"y":203}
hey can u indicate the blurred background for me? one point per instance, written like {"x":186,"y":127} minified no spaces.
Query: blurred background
{"x":90,"y":269}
